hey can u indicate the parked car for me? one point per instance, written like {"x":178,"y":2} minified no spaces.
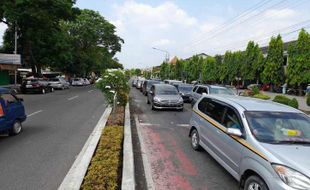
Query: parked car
{"x":164,"y":96}
{"x":142,"y":83}
{"x":77,"y":82}
{"x":139,"y":83}
{"x":12,"y":112}
{"x":134,"y":82}
{"x":58,"y":83}
{"x":199,"y":90}
{"x":86,"y":82}
{"x":36,"y":85}
{"x":172,"y":81}
{"x":185,"y":91}
{"x":262,"y":144}
{"x":147,"y":85}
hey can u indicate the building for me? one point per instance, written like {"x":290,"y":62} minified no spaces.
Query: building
{"x":200,"y":55}
{"x":8,"y":68}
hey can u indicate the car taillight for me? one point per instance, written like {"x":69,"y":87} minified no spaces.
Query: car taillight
{"x":1,"y":111}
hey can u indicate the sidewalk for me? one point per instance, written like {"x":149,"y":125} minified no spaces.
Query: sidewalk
{"x":301,"y":99}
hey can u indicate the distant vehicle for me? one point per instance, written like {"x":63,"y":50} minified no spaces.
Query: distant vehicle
{"x":12,"y":112}
{"x":86,"y":82}
{"x":58,"y":83}
{"x":199,"y":90}
{"x":147,"y":85}
{"x":77,"y":82}
{"x":134,"y":82}
{"x":185,"y":91}
{"x":142,"y":83}
{"x":139,"y":83}
{"x":164,"y":96}
{"x":172,"y":81}
{"x":36,"y":86}
{"x":262,"y":144}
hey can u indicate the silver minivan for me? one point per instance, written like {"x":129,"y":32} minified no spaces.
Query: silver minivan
{"x":262,"y":144}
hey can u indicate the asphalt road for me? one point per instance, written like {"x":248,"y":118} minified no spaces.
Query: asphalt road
{"x":57,"y":127}
{"x":173,"y":163}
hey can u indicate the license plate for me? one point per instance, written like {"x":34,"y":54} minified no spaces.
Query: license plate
{"x":28,"y":86}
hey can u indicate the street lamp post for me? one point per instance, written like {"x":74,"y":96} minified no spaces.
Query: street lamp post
{"x":167,"y":57}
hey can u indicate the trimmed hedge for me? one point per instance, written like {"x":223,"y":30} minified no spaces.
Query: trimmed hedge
{"x":104,"y":171}
{"x":293,"y":103}
{"x":281,"y":99}
{"x":255,"y":90}
{"x":308,"y":99}
{"x":261,"y":96}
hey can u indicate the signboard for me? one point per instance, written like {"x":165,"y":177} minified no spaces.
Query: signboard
{"x":10,"y":59}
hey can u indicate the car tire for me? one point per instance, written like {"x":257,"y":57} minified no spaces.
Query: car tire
{"x":52,"y":89}
{"x":43,"y":91}
{"x":255,"y":182}
{"x":152,"y":106}
{"x":147,"y":101}
{"x":16,"y":129}
{"x":63,"y":88}
{"x":195,"y":140}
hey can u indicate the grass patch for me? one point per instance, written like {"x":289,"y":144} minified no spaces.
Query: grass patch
{"x":105,"y":169}
{"x":261,"y":96}
{"x":117,"y":117}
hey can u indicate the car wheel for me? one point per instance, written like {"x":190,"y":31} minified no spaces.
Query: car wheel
{"x":147,"y":101}
{"x":62,"y":88}
{"x":195,"y":140}
{"x":16,"y":129}
{"x":152,"y":106}
{"x":52,"y":89}
{"x":43,"y":91}
{"x":255,"y":183}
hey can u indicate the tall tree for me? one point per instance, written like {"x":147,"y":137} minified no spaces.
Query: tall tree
{"x":273,"y":71}
{"x":37,"y":22}
{"x":298,"y":69}
{"x":210,"y":70}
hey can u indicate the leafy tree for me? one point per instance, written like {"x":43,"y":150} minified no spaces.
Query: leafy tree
{"x":298,"y":69}
{"x":38,"y":26}
{"x":274,"y":71}
{"x":252,"y":64}
{"x":164,"y":71}
{"x":179,"y":69}
{"x":210,"y":70}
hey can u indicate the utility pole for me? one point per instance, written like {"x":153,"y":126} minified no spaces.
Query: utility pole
{"x":15,"y":52}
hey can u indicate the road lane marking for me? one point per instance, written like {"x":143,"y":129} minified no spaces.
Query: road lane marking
{"x":73,"y":98}
{"x":183,"y":125}
{"x":34,"y":113}
{"x":90,"y":91}
{"x":149,"y":124}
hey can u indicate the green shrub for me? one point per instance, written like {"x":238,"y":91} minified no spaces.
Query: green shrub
{"x":262,"y":96}
{"x":114,"y":81}
{"x":255,"y":90}
{"x":281,"y":99}
{"x":104,"y":171}
{"x":308,"y":99}
{"x":293,"y":103}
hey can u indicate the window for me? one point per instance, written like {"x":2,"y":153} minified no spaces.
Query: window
{"x":8,"y":98}
{"x":194,"y":89}
{"x":202,"y":90}
{"x":231,"y":119}
{"x":212,"y":109}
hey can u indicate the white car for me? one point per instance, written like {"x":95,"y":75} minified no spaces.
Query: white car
{"x":78,"y":82}
{"x":86,"y":82}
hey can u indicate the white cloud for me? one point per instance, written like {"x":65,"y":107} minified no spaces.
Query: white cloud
{"x":3,"y":27}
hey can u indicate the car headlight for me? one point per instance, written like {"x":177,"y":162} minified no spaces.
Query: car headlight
{"x":291,"y":177}
{"x":156,"y":99}
{"x":180,"y":99}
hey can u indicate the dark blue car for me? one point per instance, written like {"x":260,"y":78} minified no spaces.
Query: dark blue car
{"x":12,"y":112}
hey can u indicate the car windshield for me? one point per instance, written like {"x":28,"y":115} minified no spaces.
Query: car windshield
{"x":150,"y":83}
{"x":166,"y":91}
{"x":185,"y":88}
{"x":224,"y":91}
{"x":278,"y":128}
{"x":55,"y":80}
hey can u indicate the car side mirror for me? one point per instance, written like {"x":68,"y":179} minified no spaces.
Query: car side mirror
{"x":234,"y":132}
{"x":204,"y":93}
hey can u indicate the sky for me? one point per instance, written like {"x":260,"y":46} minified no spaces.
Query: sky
{"x":187,"y":27}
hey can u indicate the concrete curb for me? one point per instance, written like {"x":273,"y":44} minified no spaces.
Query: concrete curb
{"x":128,"y":178}
{"x":146,"y":164}
{"x":75,"y":176}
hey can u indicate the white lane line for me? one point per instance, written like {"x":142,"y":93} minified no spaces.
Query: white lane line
{"x":34,"y":113}
{"x":183,"y":125}
{"x":73,"y":98}
{"x":90,"y":91}
{"x":149,"y":124}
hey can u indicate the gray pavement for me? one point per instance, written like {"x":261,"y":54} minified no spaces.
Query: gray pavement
{"x":59,"y":124}
{"x":173,"y":163}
